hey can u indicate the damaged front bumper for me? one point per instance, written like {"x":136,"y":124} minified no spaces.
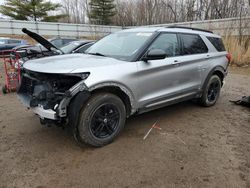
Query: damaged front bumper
{"x":38,"y":110}
{"x":49,"y":98}
{"x":45,"y":114}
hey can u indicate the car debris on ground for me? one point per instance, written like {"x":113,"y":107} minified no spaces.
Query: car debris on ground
{"x":244,"y":101}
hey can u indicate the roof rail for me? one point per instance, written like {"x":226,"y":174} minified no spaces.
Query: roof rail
{"x":196,"y":29}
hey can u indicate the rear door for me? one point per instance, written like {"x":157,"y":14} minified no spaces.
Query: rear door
{"x":167,"y":79}
{"x":195,"y":56}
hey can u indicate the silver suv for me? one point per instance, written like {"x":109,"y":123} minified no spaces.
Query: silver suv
{"x":126,"y":73}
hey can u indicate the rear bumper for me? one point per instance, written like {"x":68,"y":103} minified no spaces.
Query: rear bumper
{"x":45,"y":114}
{"x":225,"y":74}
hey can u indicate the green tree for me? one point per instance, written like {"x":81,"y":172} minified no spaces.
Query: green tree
{"x":36,"y":10}
{"x":102,"y":11}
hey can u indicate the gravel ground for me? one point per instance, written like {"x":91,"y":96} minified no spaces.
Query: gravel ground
{"x":197,"y":147}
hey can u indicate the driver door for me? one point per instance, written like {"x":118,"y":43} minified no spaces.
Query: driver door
{"x":166,"y":79}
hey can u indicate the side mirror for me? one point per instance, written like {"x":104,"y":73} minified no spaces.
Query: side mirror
{"x":154,"y":54}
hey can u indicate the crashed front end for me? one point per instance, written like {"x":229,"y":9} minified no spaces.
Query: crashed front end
{"x":49,"y":95}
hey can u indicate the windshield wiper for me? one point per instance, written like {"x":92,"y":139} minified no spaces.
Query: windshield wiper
{"x":98,"y":54}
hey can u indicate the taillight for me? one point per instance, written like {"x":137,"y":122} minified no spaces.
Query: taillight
{"x":229,"y":57}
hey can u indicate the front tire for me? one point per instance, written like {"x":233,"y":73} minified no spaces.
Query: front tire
{"x":101,"y":119}
{"x":211,"y":92}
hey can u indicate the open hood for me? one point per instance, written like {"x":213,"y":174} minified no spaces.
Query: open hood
{"x":49,"y":46}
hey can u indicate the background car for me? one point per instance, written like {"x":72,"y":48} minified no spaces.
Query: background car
{"x":8,"y":43}
{"x":47,"y":47}
{"x":60,"y":42}
{"x":26,"y":52}
{"x":57,"y":42}
{"x":23,"y":53}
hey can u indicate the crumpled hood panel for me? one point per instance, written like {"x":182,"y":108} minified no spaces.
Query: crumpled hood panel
{"x":69,"y":63}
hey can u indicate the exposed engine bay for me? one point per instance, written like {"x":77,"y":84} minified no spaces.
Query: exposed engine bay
{"x":51,"y":92}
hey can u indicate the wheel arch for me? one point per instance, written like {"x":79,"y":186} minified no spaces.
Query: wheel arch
{"x":220,"y":74}
{"x":119,"y":90}
{"x":219,"y":71}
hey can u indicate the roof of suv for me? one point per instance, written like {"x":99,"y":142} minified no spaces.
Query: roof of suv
{"x":179,"y":30}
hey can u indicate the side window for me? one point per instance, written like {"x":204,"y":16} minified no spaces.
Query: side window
{"x":193,"y":44}
{"x":217,"y":43}
{"x":167,"y":42}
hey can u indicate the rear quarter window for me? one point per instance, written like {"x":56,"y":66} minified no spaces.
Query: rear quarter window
{"x":217,"y":43}
{"x":193,"y":44}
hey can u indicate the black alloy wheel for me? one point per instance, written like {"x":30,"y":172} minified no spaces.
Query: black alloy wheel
{"x":213,"y":91}
{"x":105,"y":121}
{"x":101,"y":119}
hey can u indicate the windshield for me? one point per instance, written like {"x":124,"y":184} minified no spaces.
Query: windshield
{"x":120,"y":45}
{"x":68,"y":48}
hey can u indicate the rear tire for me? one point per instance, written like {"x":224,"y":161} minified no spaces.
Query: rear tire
{"x":101,"y":119}
{"x":211,"y":92}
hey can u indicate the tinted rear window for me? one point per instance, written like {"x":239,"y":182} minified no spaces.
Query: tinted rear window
{"x":217,"y":43}
{"x":193,"y":44}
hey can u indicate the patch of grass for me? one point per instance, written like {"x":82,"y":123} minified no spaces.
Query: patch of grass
{"x":239,"y":48}
{"x":240,"y":70}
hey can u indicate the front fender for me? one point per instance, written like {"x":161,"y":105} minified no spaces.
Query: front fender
{"x":74,"y":108}
{"x":123,"y":88}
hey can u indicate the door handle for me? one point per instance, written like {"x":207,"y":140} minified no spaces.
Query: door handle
{"x":208,"y":56}
{"x":176,"y":62}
